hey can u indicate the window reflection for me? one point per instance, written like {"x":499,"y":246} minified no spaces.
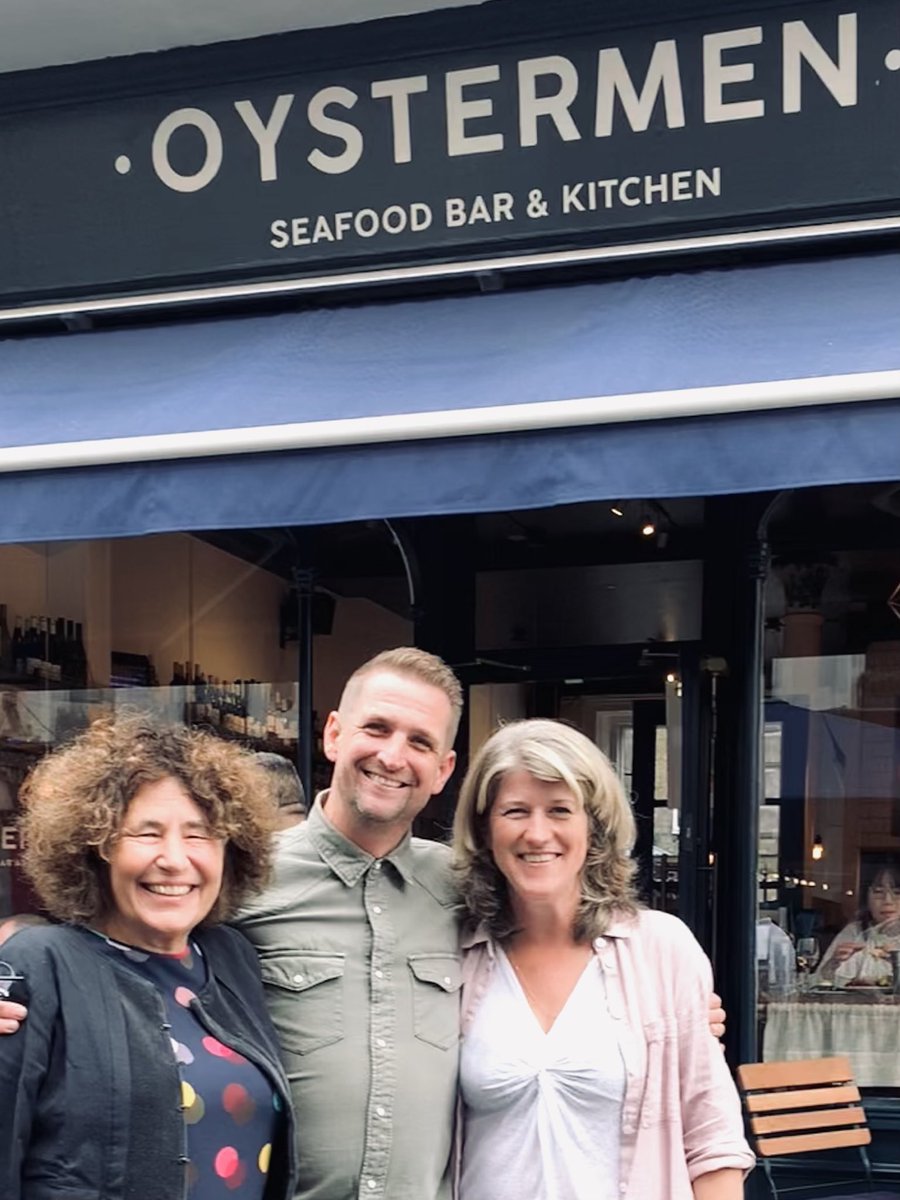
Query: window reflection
{"x":829,"y":860}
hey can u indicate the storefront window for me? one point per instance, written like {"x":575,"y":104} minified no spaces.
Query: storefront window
{"x":172,"y":624}
{"x":828,"y":933}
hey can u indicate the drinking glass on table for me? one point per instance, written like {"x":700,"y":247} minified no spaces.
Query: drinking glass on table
{"x":807,"y":959}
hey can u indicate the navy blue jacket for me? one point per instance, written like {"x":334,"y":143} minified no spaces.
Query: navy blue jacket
{"x":90,"y":1095}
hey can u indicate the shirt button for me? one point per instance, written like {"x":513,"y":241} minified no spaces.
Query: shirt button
{"x":381,"y":1112}
{"x":380,"y":1043}
{"x":379,"y":974}
{"x":447,"y":980}
{"x":370,"y":1183}
{"x":298,"y":979}
{"x":376,"y":909}
{"x":376,"y":866}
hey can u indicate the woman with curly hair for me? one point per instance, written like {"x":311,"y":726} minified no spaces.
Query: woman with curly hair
{"x":148,"y":1065}
{"x":588,"y":1070}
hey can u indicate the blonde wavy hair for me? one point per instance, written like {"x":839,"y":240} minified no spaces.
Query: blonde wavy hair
{"x":555,"y":753}
{"x":75,"y":801}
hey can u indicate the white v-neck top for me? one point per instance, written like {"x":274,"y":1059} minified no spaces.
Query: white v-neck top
{"x":542,"y":1110}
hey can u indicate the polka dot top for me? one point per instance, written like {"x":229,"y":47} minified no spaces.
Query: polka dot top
{"x":230,"y":1109}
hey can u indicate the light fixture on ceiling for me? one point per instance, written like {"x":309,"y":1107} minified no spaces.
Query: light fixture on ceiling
{"x":618,"y":509}
{"x":818,"y":848}
{"x":656,"y":522}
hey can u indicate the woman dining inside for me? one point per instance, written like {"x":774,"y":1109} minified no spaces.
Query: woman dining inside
{"x":588,"y":1070}
{"x":147,"y":1066}
{"x":860,"y":955}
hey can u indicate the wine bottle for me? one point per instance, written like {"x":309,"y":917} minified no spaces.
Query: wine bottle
{"x":198,"y":714}
{"x":33,"y":647}
{"x":18,"y":643}
{"x":79,"y":659}
{"x":6,"y":655}
{"x":57,"y":649}
{"x":66,"y":643}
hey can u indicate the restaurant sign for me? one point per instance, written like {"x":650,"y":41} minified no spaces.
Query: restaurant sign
{"x":712,"y":125}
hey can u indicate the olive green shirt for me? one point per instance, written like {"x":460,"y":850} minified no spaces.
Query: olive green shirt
{"x":361,"y":967}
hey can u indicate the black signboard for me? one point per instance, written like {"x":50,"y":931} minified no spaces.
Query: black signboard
{"x":725,"y":123}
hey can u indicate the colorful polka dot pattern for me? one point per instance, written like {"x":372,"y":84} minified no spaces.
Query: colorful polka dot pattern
{"x":230,"y":1111}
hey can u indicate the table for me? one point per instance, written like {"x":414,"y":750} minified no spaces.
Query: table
{"x":861,"y":1024}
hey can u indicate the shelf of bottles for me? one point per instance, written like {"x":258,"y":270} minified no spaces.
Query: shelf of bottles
{"x":42,"y":651}
{"x":243,"y":708}
{"x":45,"y":697}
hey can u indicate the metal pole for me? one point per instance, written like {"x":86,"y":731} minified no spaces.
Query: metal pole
{"x":303,"y":581}
{"x":748,"y":790}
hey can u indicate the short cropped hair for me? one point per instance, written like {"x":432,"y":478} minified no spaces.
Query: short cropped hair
{"x":555,"y":753}
{"x":420,"y":664}
{"x":285,"y":786}
{"x":75,"y":801}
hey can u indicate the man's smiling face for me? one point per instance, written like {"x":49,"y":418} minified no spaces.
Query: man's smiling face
{"x":389,"y":743}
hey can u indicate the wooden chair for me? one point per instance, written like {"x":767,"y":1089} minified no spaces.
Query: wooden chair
{"x":803,"y":1106}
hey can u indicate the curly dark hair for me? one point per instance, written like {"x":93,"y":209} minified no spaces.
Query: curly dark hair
{"x":556,"y":753}
{"x":75,"y":801}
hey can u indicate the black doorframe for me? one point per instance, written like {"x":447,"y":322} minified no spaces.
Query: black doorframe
{"x":647,"y":715}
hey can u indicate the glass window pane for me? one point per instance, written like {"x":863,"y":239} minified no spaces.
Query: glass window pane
{"x":829,"y":848}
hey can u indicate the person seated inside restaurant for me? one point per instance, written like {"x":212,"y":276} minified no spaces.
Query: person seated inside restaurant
{"x":775,"y":962}
{"x":860,"y":953}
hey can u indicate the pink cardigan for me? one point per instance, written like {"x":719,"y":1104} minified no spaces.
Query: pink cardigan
{"x":681,"y":1115}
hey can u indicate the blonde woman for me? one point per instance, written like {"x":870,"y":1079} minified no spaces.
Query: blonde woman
{"x":588,"y":1069}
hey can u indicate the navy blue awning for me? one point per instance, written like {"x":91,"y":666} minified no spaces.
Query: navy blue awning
{"x":692,"y":383}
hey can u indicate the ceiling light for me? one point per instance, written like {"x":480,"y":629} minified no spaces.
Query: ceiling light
{"x":618,"y":509}
{"x":647,"y":527}
{"x":818,"y":849}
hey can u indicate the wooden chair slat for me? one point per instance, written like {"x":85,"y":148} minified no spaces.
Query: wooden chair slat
{"x":814,"y":1098}
{"x":820,"y":1119}
{"x":755,"y":1076}
{"x":801,"y":1142}
{"x":802,"y":1106}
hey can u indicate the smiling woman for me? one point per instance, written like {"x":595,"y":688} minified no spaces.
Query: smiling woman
{"x":141,"y":837}
{"x":165,"y":869}
{"x":584,"y":1018}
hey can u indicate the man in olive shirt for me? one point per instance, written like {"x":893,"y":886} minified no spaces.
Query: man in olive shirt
{"x":358,"y":943}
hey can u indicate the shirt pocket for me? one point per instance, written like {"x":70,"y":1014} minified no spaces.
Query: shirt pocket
{"x":662,"y":1100}
{"x":436,"y":980}
{"x":306,"y":998}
